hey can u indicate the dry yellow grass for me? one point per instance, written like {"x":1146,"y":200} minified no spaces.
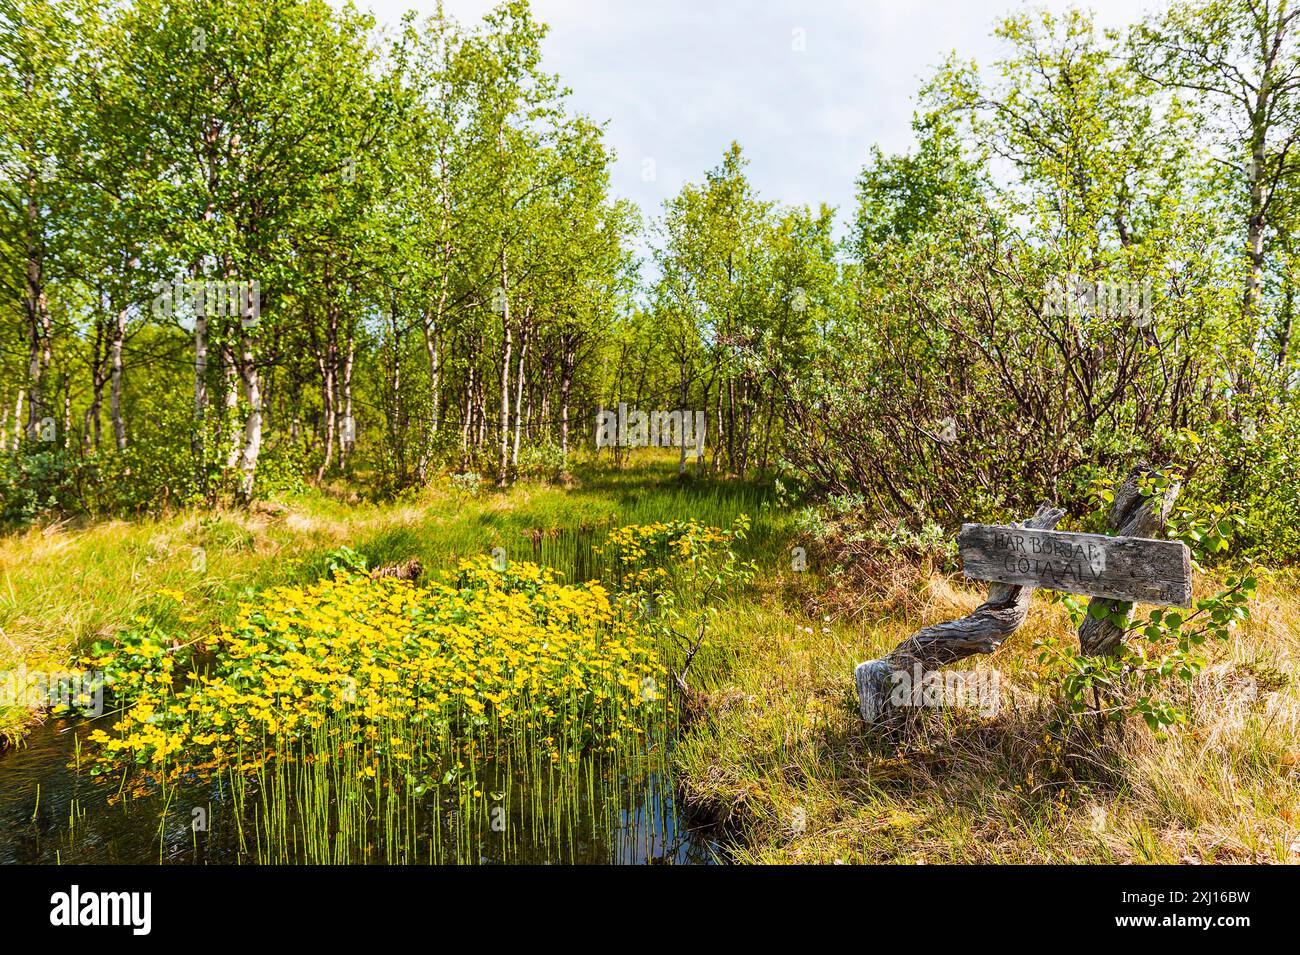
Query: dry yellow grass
{"x":782,"y":759}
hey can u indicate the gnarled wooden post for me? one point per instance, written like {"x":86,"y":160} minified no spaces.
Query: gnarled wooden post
{"x":981,"y":631}
{"x":1131,"y":515}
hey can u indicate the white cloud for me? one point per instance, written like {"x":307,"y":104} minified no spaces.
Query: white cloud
{"x":680,"y":79}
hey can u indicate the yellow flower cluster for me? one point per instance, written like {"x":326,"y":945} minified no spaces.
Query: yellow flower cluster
{"x":643,"y":552}
{"x":509,"y":651}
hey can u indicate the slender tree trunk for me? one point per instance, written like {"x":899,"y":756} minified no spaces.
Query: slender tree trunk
{"x":327,"y":363}
{"x":1284,"y":330}
{"x":37,"y":312}
{"x":347,"y":424}
{"x":480,"y":404}
{"x":18,"y":420}
{"x":433,"y":348}
{"x":506,"y":349}
{"x":38,"y":362}
{"x":433,"y":331}
{"x":468,"y":424}
{"x":115,"y":393}
{"x":718,"y":416}
{"x":198,"y":441}
{"x":566,"y":385}
{"x":90,"y":419}
{"x":519,"y":394}
{"x":731,"y":422}
{"x":767,"y":429}
{"x":233,"y":384}
{"x":747,"y":408}
{"x":681,"y":397}
{"x":396,"y":422}
{"x":1255,"y":229}
{"x":252,"y":425}
{"x":327,"y":402}
{"x":252,"y":385}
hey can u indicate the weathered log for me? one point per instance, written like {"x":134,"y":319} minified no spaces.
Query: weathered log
{"x":981,"y":631}
{"x":1131,"y":515}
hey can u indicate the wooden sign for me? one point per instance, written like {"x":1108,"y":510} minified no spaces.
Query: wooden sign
{"x":1133,"y":569}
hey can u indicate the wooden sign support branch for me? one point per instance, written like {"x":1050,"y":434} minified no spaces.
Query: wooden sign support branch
{"x":981,"y":631}
{"x":1116,"y":570}
{"x":1131,"y":515}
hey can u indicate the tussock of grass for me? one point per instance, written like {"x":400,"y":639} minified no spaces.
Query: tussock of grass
{"x":789,"y":768}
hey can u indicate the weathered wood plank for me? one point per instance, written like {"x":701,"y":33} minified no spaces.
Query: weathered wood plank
{"x":1121,"y":568}
{"x":981,"y":631}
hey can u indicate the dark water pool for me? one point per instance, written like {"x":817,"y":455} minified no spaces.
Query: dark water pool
{"x":52,"y":813}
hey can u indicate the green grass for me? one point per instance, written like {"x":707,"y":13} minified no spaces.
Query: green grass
{"x":775,"y":753}
{"x":63,"y":587}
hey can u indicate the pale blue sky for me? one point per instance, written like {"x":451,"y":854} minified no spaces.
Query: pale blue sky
{"x":678,"y":80}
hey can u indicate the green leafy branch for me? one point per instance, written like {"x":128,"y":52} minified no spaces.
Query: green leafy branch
{"x":1168,"y":645}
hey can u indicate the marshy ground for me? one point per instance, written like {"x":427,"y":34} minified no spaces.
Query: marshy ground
{"x":770,"y":758}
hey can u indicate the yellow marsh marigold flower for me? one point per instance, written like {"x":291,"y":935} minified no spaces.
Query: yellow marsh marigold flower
{"x":475,"y":646}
